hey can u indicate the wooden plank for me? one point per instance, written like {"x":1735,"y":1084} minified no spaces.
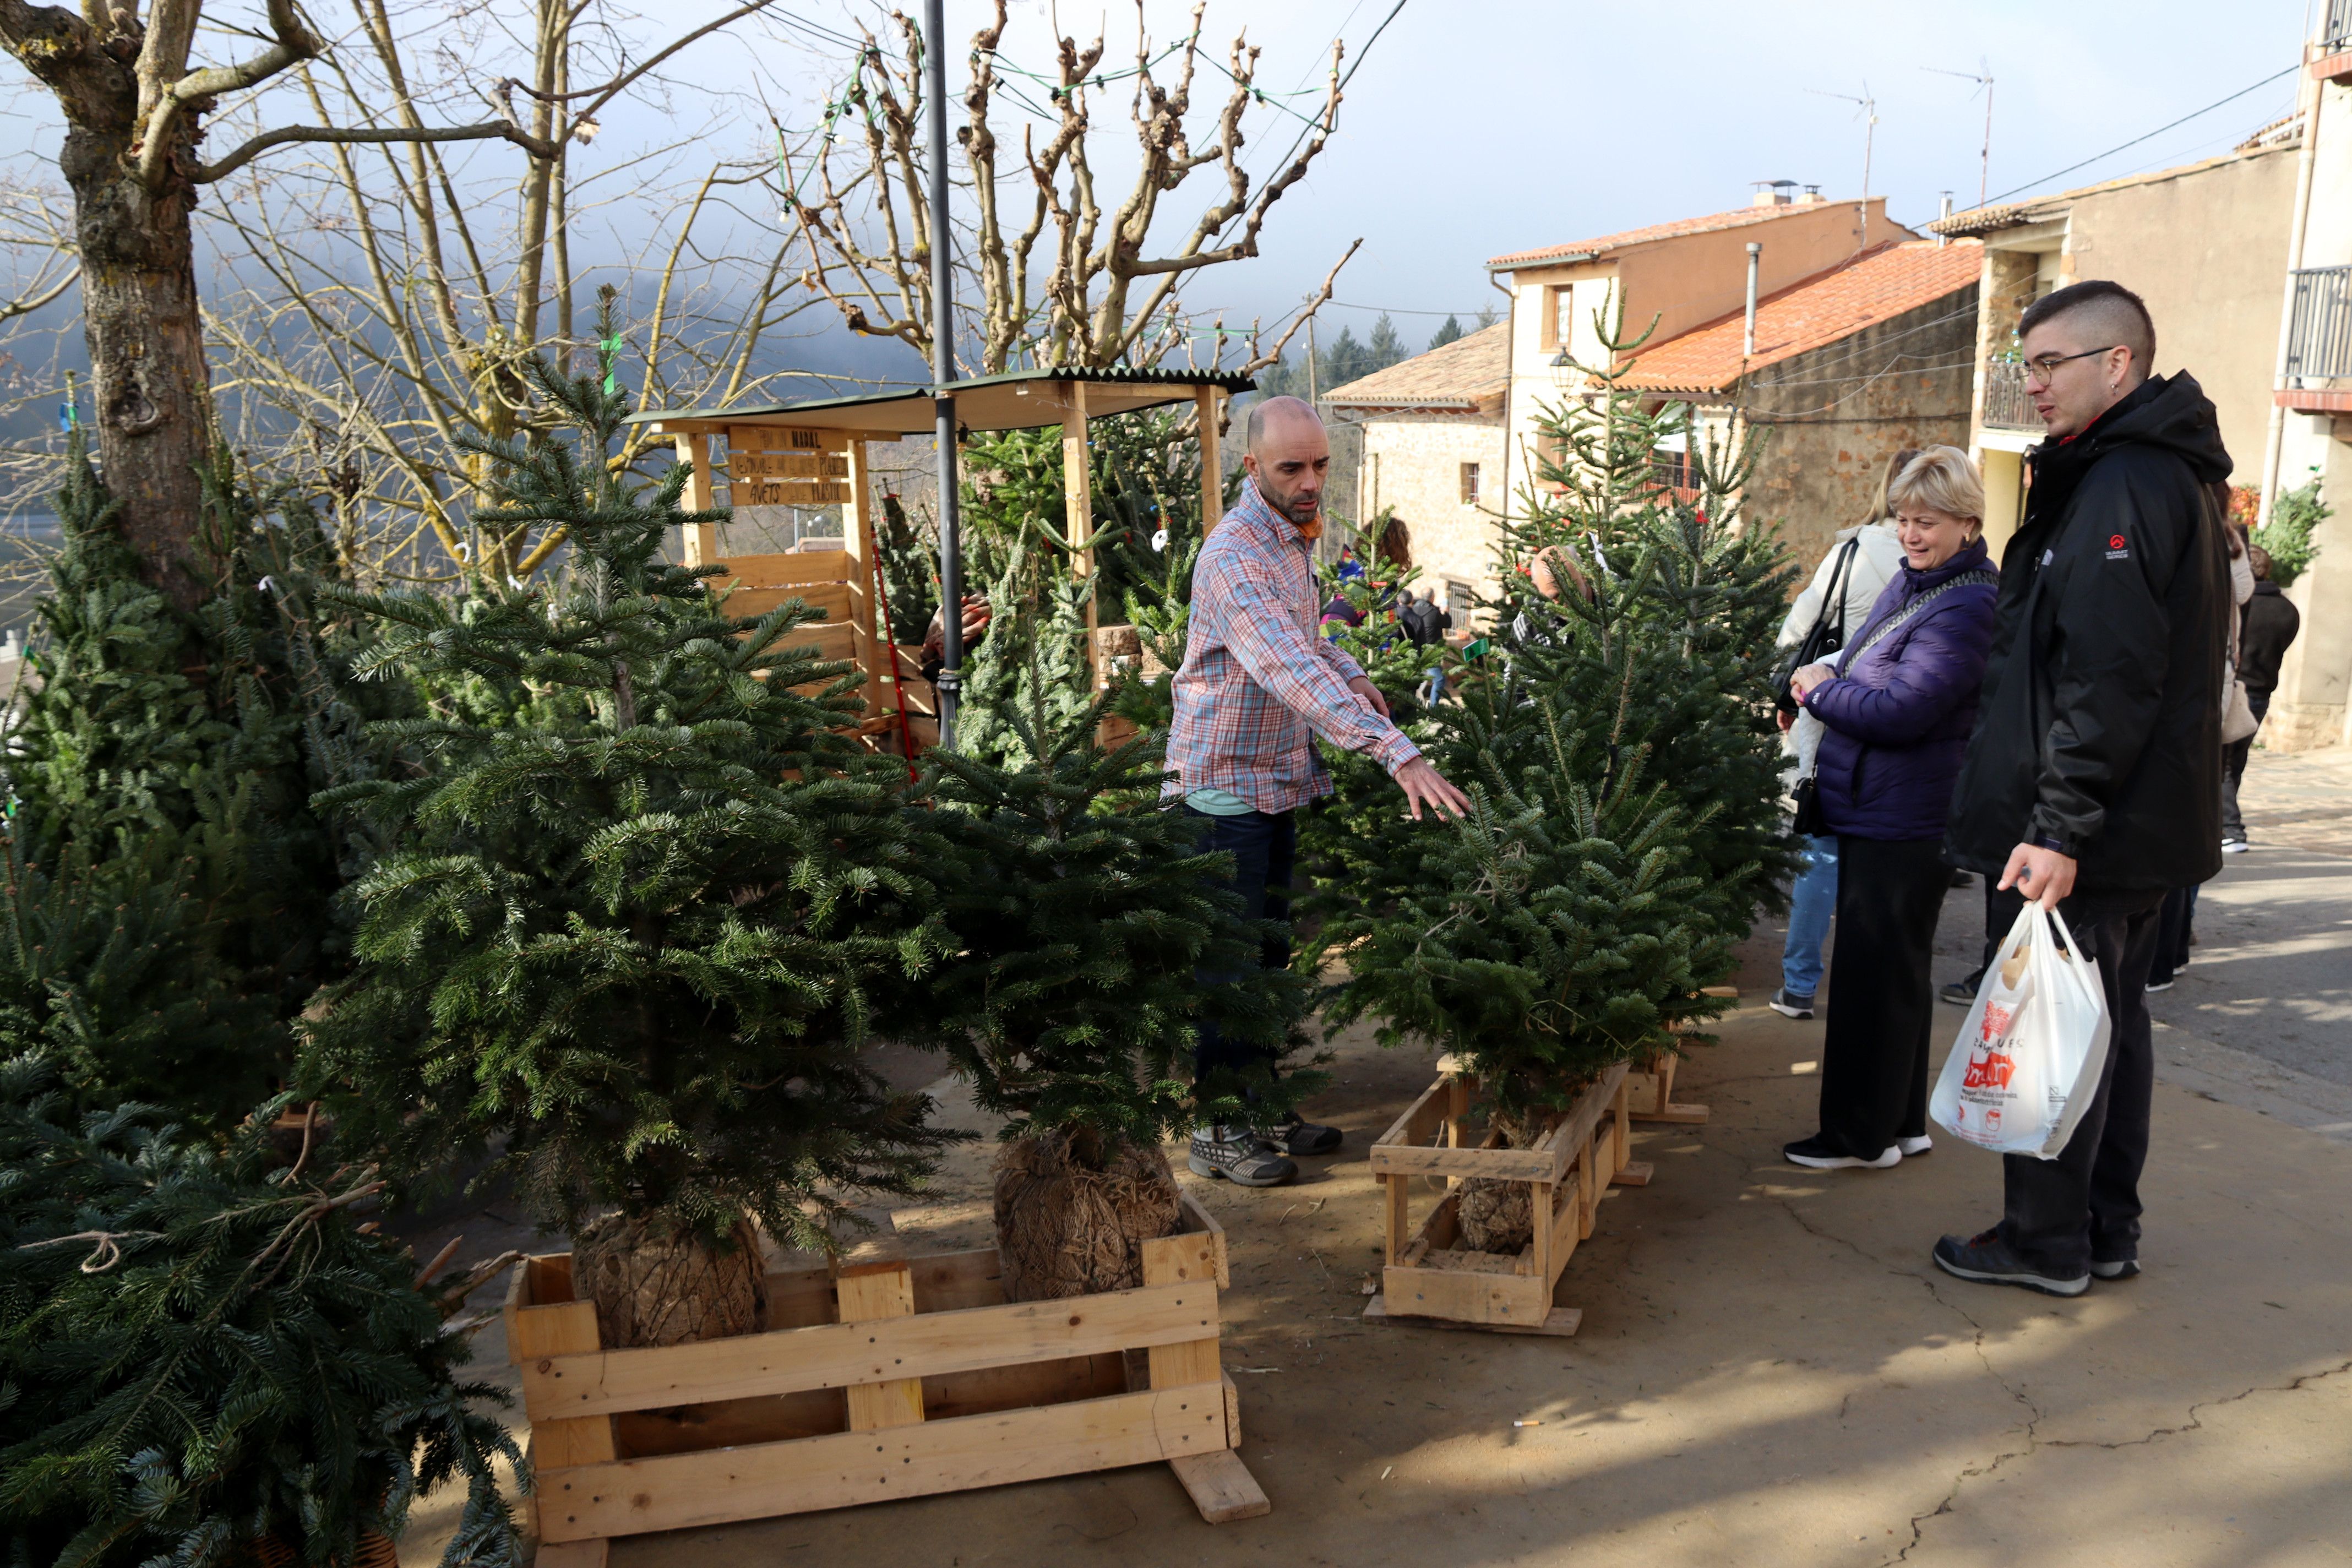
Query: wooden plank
{"x":830,"y":642}
{"x":539,"y":1334}
{"x":1621,"y":1106}
{"x":952,"y":1281}
{"x":1221,"y":1487}
{"x":700,"y":543}
{"x":571,"y":1553}
{"x":786,"y":438}
{"x":1420,"y":1120}
{"x":1179,"y":1261}
{"x":1199,"y":1220}
{"x":1077,"y":486}
{"x":730,"y":1423}
{"x":1016,"y":1388}
{"x":1232,"y":1413}
{"x":858,"y":545}
{"x":832,"y":598}
{"x":681,"y":1491}
{"x":1680,"y":1115}
{"x":752,"y":464}
{"x":786,"y":568}
{"x":1399,"y":1213}
{"x":1540,"y":1204}
{"x":1212,"y":466}
{"x":869,"y":1298}
{"x":1566,"y":1226}
{"x":1472,"y":1297}
{"x":1634,"y":1174}
{"x":1560,"y":1322}
{"x":838,"y":1355}
{"x":1537,"y":1164}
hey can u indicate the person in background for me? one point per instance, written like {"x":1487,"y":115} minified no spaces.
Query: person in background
{"x":2093,"y":784}
{"x":1351,"y":568}
{"x":1862,"y":560}
{"x":1896,"y":713}
{"x":976,"y":614}
{"x":2176,"y":924}
{"x":1338,"y":615}
{"x":1255,"y":686}
{"x":2267,"y":625}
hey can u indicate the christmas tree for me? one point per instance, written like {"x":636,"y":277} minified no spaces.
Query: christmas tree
{"x":1083,"y":915}
{"x":206,"y":1349}
{"x":168,"y":910}
{"x":633,"y":938}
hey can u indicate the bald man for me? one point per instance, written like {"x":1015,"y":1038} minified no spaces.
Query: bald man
{"x":1256,"y":684}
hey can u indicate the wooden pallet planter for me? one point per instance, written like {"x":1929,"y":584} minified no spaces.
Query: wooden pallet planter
{"x":1570,"y":1168}
{"x":878,"y":1377}
{"x":1650,"y":1084}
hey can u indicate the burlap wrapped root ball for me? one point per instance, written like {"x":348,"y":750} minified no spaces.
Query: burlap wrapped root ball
{"x":1065,"y":1226}
{"x":1499,"y":1216}
{"x":655,"y":1286}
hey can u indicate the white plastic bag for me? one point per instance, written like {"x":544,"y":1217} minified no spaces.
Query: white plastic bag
{"x":2028,"y":1060}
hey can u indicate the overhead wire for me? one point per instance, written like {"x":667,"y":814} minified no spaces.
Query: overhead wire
{"x":2136,"y":141}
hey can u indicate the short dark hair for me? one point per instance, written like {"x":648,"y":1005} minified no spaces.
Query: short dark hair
{"x":2121,"y":315}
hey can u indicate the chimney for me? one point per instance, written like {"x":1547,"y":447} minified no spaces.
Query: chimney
{"x":1813,"y":197}
{"x":1944,"y":216}
{"x":1755,"y":264}
{"x":1772,"y":192}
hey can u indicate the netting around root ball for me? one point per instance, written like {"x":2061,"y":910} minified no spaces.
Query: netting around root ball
{"x":653,"y":1287}
{"x":1064,"y":1227}
{"x":1495,"y":1216}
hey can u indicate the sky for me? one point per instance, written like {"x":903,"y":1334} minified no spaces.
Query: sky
{"x":1473,"y":128}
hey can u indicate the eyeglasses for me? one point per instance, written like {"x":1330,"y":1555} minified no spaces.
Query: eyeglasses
{"x":2040,"y":370}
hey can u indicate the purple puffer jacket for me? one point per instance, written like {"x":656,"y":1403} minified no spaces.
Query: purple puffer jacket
{"x":1899,"y":717}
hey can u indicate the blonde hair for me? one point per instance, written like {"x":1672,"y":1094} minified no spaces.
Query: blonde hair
{"x":1882,"y":505}
{"x":1940,"y":478}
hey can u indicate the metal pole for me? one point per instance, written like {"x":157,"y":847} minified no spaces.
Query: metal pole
{"x":1754,"y":261}
{"x":935,"y":75}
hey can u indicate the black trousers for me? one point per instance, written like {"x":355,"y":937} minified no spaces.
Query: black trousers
{"x":2059,"y":1215}
{"x":1882,"y":992}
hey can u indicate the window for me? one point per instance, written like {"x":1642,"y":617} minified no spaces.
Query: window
{"x":1469,"y":484}
{"x":1457,"y":603}
{"x":1563,"y":316}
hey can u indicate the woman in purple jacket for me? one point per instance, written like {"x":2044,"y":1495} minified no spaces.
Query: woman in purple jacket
{"x":1898,"y":712}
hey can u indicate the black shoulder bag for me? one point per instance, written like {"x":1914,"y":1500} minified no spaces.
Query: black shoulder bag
{"x":1828,"y":634}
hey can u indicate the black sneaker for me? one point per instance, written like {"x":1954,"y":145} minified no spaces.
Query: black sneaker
{"x":2115,"y":1268}
{"x":1816,"y":1155}
{"x":1988,"y":1260}
{"x":1297,"y":1136}
{"x":1789,"y":1006}
{"x":1238,"y":1155}
{"x":1961,"y":992}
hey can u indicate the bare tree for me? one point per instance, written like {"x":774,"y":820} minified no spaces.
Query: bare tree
{"x":378,"y":302}
{"x":1060,"y":280}
{"x":136,"y":108}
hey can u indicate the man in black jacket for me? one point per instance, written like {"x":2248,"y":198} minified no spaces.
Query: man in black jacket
{"x":2094,"y":781}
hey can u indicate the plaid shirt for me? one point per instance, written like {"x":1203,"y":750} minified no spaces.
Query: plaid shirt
{"x":1256,"y":676}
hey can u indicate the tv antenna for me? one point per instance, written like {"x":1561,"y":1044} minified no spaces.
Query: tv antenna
{"x":1982,"y":77}
{"x":1869,"y":116}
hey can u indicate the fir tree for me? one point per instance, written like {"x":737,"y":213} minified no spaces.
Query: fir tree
{"x":202,"y":1353}
{"x":909,"y":572}
{"x":2296,"y":514}
{"x":634,"y":939}
{"x":167,"y":911}
{"x":1447,"y":333}
{"x":1083,"y":914}
{"x":1384,"y":347}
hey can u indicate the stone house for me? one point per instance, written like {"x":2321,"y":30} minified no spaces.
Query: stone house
{"x":1433,"y":431}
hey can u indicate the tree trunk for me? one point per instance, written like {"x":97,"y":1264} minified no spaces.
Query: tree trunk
{"x":1071,"y":1225}
{"x":655,"y":1287}
{"x":154,"y":394}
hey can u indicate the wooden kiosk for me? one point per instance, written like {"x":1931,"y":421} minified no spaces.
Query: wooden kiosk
{"x":814,"y":454}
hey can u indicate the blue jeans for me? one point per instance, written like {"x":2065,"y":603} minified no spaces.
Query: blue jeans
{"x":1813,"y":899}
{"x":1264,"y":847}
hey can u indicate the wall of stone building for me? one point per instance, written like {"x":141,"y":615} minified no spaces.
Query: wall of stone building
{"x":2313,"y":705}
{"x":2208,"y":252}
{"x":1412,"y":462}
{"x":1832,"y":418}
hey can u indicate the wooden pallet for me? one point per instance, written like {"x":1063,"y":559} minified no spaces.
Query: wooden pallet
{"x":1427,"y":1278}
{"x":878,"y":1377}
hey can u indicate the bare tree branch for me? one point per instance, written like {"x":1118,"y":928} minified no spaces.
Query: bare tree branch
{"x":205,"y":173}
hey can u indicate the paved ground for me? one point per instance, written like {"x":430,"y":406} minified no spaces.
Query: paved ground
{"x":1771,"y":1373}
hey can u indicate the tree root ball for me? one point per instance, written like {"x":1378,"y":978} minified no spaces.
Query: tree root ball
{"x":655,"y":1286}
{"x":1068,"y":1228}
{"x":1495,"y":1217}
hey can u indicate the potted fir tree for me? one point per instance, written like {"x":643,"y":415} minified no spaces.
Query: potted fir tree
{"x":646,"y":904}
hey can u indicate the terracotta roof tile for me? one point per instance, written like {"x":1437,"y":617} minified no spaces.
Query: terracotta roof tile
{"x":1738,"y":218}
{"x":1471,"y":367}
{"x":1877,"y":287}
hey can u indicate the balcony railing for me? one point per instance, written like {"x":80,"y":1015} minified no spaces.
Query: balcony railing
{"x":2337,"y":38}
{"x":2006,"y":405}
{"x":2319,"y":328}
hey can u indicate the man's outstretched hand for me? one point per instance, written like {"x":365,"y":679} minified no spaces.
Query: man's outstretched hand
{"x":1425,"y":785}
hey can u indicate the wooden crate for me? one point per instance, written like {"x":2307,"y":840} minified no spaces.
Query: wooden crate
{"x":1570,"y":1168}
{"x":1651,"y":1085}
{"x":878,"y":1377}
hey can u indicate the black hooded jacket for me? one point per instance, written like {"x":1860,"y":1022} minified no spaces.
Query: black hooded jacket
{"x":2099,"y":734}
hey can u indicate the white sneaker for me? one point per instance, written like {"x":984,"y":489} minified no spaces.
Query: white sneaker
{"x":2234,"y":846}
{"x":1914,"y":1147}
{"x":1814,"y":1155}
